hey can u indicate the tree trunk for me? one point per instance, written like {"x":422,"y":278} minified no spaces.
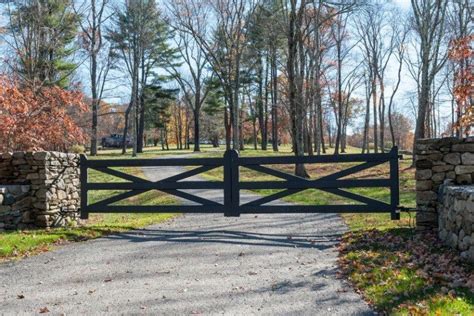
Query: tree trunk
{"x":374,"y":101}
{"x":197,"y":114}
{"x":365,"y":140}
{"x":339,"y":96}
{"x":94,"y":103}
{"x":227,"y":126}
{"x":141,"y":124}
{"x":274,"y":79}
{"x":125,"y":128}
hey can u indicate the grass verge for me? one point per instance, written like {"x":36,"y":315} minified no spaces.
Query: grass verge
{"x":19,"y":244}
{"x":402,"y":272}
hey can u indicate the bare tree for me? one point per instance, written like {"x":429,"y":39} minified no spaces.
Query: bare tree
{"x":223,"y":43}
{"x":378,"y":41}
{"x":295,"y":74}
{"x":94,"y":16}
{"x":195,"y":85}
{"x":400,"y":56}
{"x":344,"y":86}
{"x":429,"y":17}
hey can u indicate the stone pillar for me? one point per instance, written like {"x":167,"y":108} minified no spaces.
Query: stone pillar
{"x":53,"y":179}
{"x":440,"y":161}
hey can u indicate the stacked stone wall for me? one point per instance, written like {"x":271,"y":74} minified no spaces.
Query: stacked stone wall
{"x":440,"y":161}
{"x":53,"y":185}
{"x":456,"y":218}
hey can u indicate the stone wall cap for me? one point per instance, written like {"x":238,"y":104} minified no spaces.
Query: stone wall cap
{"x":459,"y":188}
{"x":37,"y":154}
{"x":7,"y":155}
{"x":469,"y":139}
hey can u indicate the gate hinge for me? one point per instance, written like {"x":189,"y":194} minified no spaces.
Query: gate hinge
{"x":406,"y":209}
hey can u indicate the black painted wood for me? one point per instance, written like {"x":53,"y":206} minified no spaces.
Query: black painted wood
{"x":84,"y":189}
{"x":231,"y":186}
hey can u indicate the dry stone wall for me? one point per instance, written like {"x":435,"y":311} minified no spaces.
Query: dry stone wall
{"x":15,"y":201}
{"x":456,"y":218}
{"x":440,"y":161}
{"x":52,"y":197}
{"x":445,"y":190}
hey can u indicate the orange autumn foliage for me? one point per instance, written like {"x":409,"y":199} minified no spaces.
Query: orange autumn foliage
{"x":462,"y":53}
{"x":38,"y":120}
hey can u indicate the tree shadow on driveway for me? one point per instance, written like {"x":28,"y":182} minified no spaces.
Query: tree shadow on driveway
{"x":235,"y":237}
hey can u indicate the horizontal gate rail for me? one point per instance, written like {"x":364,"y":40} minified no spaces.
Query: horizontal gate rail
{"x":315,"y":184}
{"x":287,"y":160}
{"x":190,"y":185}
{"x":332,"y":183}
{"x":232,"y":185}
{"x":134,"y":186}
{"x":155,"y":162}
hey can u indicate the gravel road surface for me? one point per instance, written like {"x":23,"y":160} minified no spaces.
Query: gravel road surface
{"x":279,"y":264}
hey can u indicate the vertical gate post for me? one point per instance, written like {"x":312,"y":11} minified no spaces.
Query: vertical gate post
{"x":395,"y":185}
{"x":83,"y":180}
{"x":231,"y":183}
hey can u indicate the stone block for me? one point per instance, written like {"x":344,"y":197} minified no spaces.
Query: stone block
{"x":61,"y":195}
{"x":424,"y":185}
{"x":424,"y":197}
{"x":32,"y":176}
{"x":438,"y":177}
{"x":469,"y":147}
{"x":427,"y":218}
{"x":461,"y":169}
{"x":17,"y":162}
{"x":465,"y":179}
{"x":41,"y":155}
{"x":452,"y":158}
{"x":18,"y":155}
{"x":423,"y":164}
{"x":431,"y":157}
{"x":451,"y":175}
{"x":7,"y":156}
{"x":443,"y":168}
{"x":467,"y":158}
{"x":5,"y":208}
{"x":22,"y":203}
{"x":423,"y":174}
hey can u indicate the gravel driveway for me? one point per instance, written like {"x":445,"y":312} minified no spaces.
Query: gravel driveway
{"x":275,"y":264}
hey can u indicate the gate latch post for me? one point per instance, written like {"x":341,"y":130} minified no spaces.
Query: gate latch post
{"x":231,"y":184}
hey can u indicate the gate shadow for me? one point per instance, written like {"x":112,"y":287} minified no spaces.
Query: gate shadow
{"x":232,"y":237}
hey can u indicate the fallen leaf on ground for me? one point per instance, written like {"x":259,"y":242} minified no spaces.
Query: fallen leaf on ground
{"x":44,"y":310}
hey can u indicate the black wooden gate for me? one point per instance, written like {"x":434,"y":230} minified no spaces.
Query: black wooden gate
{"x":232,"y":185}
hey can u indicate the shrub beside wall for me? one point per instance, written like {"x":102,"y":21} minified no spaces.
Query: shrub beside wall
{"x":53,"y":195}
